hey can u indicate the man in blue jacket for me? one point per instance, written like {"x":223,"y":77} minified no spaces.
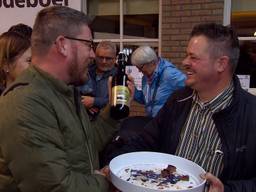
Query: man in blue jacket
{"x":212,"y":120}
{"x":95,"y":90}
{"x":160,"y":79}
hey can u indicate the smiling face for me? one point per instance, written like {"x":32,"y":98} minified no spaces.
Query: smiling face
{"x":199,"y":65}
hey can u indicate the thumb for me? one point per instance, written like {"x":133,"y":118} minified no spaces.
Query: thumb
{"x":215,"y":183}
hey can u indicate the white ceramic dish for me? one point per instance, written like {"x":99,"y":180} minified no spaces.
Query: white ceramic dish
{"x":153,"y":158}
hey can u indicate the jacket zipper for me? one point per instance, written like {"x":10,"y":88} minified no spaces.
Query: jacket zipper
{"x":87,"y":144}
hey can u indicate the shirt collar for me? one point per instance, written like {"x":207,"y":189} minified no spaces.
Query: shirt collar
{"x":154,"y":74}
{"x":217,"y":102}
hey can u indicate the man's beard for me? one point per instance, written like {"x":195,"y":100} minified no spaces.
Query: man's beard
{"x":105,"y":69}
{"x":78,"y":75}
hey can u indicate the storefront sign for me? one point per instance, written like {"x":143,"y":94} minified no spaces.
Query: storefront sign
{"x":24,"y":11}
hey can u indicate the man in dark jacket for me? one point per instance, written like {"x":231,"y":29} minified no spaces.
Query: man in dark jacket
{"x":211,"y":121}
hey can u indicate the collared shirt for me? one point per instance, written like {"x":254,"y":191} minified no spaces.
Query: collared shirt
{"x":200,"y":141}
{"x":97,"y":86}
{"x":149,"y":84}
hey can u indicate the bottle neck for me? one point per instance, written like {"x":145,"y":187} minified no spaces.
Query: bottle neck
{"x":121,"y":68}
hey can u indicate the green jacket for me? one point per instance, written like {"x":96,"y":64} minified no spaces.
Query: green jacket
{"x":47,"y":141}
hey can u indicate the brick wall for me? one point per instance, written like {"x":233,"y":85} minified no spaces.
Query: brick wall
{"x":179,"y":17}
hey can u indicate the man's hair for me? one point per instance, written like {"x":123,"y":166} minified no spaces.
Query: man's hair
{"x":143,"y":55}
{"x":13,"y":44}
{"x":107,"y":45}
{"x":222,"y":40}
{"x":52,"y":22}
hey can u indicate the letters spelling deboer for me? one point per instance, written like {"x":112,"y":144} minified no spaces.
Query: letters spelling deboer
{"x":31,"y":3}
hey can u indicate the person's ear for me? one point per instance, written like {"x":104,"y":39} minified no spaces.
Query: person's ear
{"x":222,"y":63}
{"x":61,"y":45}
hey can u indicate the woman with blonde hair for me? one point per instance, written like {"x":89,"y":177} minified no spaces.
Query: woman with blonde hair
{"x":15,"y":53}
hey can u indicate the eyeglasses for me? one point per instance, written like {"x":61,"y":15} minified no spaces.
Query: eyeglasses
{"x":140,"y":67}
{"x":101,"y":58}
{"x":86,"y":42}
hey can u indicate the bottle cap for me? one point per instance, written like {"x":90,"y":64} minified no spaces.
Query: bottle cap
{"x":122,"y":57}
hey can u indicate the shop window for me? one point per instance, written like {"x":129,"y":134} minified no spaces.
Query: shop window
{"x":243,"y":19}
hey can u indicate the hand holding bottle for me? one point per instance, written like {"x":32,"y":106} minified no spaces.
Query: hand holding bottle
{"x":130,"y":83}
{"x":120,"y":94}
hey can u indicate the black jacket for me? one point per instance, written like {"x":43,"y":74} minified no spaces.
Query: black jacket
{"x":236,"y":125}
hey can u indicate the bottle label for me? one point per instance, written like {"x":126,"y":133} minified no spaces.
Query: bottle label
{"x":120,"y":95}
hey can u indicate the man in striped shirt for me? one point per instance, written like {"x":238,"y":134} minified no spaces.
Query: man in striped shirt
{"x":212,"y":120}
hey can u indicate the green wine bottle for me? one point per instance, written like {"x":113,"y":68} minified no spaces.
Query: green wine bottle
{"x":120,"y":96}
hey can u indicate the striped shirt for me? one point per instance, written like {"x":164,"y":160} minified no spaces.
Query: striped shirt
{"x":200,"y":141}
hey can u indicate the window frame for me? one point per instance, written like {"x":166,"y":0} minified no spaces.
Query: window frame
{"x":123,"y":40}
{"x":227,"y":19}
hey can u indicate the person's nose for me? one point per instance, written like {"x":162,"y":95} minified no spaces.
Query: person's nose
{"x":185,"y":62}
{"x":92,"y":54}
{"x":104,"y":60}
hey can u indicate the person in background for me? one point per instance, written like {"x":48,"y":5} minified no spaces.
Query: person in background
{"x":15,"y":53}
{"x":95,"y":91}
{"x":46,"y":139}
{"x":160,"y":79}
{"x":211,"y":121}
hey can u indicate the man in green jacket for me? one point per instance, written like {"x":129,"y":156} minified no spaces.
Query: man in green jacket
{"x":47,"y":142}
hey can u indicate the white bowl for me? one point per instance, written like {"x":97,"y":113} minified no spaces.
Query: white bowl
{"x":153,"y":158}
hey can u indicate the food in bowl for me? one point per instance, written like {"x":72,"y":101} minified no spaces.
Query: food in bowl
{"x":159,"y":177}
{"x":121,"y":166}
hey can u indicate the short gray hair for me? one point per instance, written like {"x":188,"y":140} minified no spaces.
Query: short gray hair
{"x":107,"y":45}
{"x":143,"y":55}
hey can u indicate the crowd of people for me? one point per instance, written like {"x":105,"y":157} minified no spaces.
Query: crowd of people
{"x":55,"y":120}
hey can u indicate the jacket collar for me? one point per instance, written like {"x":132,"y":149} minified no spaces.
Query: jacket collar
{"x":188,"y":93}
{"x":238,"y":91}
{"x":53,"y":82}
{"x":34,"y":72}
